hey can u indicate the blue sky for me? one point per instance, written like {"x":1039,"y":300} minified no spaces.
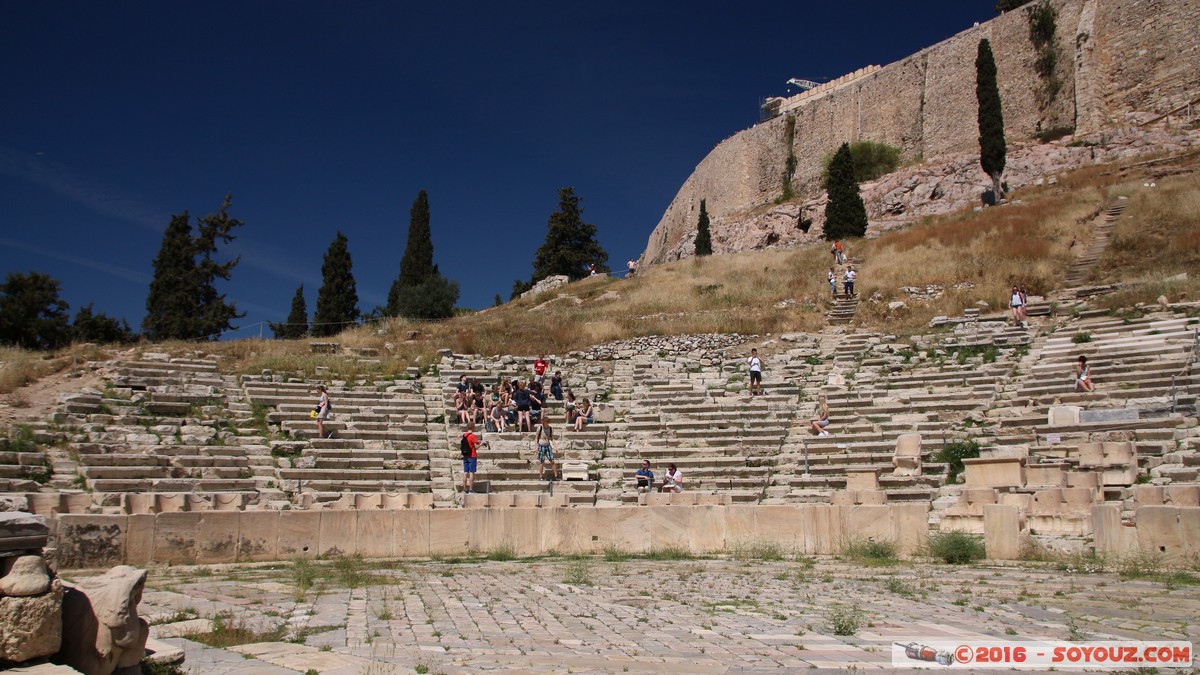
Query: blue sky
{"x":319,"y":117}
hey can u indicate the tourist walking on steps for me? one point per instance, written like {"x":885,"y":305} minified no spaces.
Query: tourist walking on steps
{"x":1016,"y":304}
{"x":849,"y":278}
{"x":1083,"y":376}
{"x":545,"y":447}
{"x":833,"y":283}
{"x":470,"y":457}
{"x":755,"y":365}
{"x":322,"y":410}
{"x":819,"y":425}
{"x":1024,"y":304}
{"x":840,"y":251}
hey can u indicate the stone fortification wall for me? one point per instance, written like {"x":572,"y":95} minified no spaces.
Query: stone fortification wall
{"x":1120,"y":62}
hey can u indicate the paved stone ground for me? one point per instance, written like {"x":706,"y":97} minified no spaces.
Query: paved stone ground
{"x":713,"y":615}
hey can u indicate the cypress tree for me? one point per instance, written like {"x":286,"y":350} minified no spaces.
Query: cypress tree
{"x":297,"y":320}
{"x":31,"y":313}
{"x":845,"y":213}
{"x":703,"y":237}
{"x":337,"y":300}
{"x":992,"y":148}
{"x":183,"y":302}
{"x":170,"y":304}
{"x":570,"y":245}
{"x":421,"y":292}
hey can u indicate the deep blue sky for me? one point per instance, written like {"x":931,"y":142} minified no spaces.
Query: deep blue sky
{"x":320,"y":117}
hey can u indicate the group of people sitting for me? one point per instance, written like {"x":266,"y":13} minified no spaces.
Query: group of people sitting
{"x":518,"y":403}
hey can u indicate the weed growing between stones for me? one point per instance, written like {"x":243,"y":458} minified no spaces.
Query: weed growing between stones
{"x":871,"y":552}
{"x":956,"y":548}
{"x":845,"y":620}
{"x":503,"y":553}
{"x":228,"y":631}
{"x":614,"y":555}
{"x":759,"y":550}
{"x":669,"y":553}
{"x":578,"y":573}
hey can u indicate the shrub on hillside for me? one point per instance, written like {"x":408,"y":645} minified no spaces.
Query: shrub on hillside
{"x":870,"y":159}
{"x":956,"y":548}
{"x":954,"y":453}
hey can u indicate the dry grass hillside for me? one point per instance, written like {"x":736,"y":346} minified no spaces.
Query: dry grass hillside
{"x":972,"y":255}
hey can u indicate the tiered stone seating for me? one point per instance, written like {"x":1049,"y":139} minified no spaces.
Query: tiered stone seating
{"x":378,"y":442}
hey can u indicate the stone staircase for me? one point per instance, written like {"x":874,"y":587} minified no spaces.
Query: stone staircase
{"x":1091,"y":250}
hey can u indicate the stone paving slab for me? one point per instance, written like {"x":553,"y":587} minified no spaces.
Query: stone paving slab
{"x":592,"y":615}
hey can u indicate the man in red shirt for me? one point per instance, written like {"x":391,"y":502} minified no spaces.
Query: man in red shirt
{"x":470,"y":457}
{"x":539,"y":368}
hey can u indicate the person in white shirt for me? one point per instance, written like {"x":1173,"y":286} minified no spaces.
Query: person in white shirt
{"x":673,"y":481}
{"x":851,"y":275}
{"x":755,"y":365}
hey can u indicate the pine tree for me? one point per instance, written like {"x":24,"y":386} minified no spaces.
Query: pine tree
{"x":421,"y":292}
{"x":703,"y":237}
{"x":845,"y":213}
{"x":570,"y":245}
{"x":90,"y":326}
{"x":31,"y":313}
{"x":183,"y":302}
{"x":337,"y":301}
{"x":992,"y":148}
{"x":297,"y":320}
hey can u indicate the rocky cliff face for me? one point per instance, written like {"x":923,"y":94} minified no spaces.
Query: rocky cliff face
{"x":1120,"y":62}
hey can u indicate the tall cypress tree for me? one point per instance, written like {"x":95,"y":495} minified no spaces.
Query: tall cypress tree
{"x":297,"y":321}
{"x":337,"y":300}
{"x":421,"y":292}
{"x":171,"y":302}
{"x":845,"y":213}
{"x":570,"y":245}
{"x":703,"y":237}
{"x":183,"y":302}
{"x":992,"y":149}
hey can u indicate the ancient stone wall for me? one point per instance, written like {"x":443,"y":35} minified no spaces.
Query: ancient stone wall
{"x":1120,"y":62}
{"x":230,"y":536}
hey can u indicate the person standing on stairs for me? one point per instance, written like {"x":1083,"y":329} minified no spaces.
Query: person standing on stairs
{"x":833,"y":283}
{"x":322,"y":410}
{"x":755,"y":365}
{"x":470,"y":457}
{"x":850,"y":276}
{"x":1016,"y":304}
{"x":545,"y":448}
{"x":1024,"y":304}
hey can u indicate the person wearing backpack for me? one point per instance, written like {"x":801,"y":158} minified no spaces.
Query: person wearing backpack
{"x":468,"y":445}
{"x":545,"y":446}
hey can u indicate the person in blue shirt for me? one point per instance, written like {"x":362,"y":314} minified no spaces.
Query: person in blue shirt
{"x":645,"y":477}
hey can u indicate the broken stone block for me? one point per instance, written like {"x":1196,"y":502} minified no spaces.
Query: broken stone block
{"x":101,"y":630}
{"x":31,"y":627}
{"x":25,"y":576}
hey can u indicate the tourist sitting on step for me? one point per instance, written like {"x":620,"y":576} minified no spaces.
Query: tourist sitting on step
{"x":569,"y":408}
{"x":819,"y":425}
{"x":461,"y":403}
{"x":556,"y":385}
{"x":1083,"y":376}
{"x":673,"y":481}
{"x":645,"y":477}
{"x":583,"y":416}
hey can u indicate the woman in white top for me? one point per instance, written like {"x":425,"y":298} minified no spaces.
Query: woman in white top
{"x":1016,"y":303}
{"x":673,"y":481}
{"x":1083,"y":376}
{"x":822,"y":421}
